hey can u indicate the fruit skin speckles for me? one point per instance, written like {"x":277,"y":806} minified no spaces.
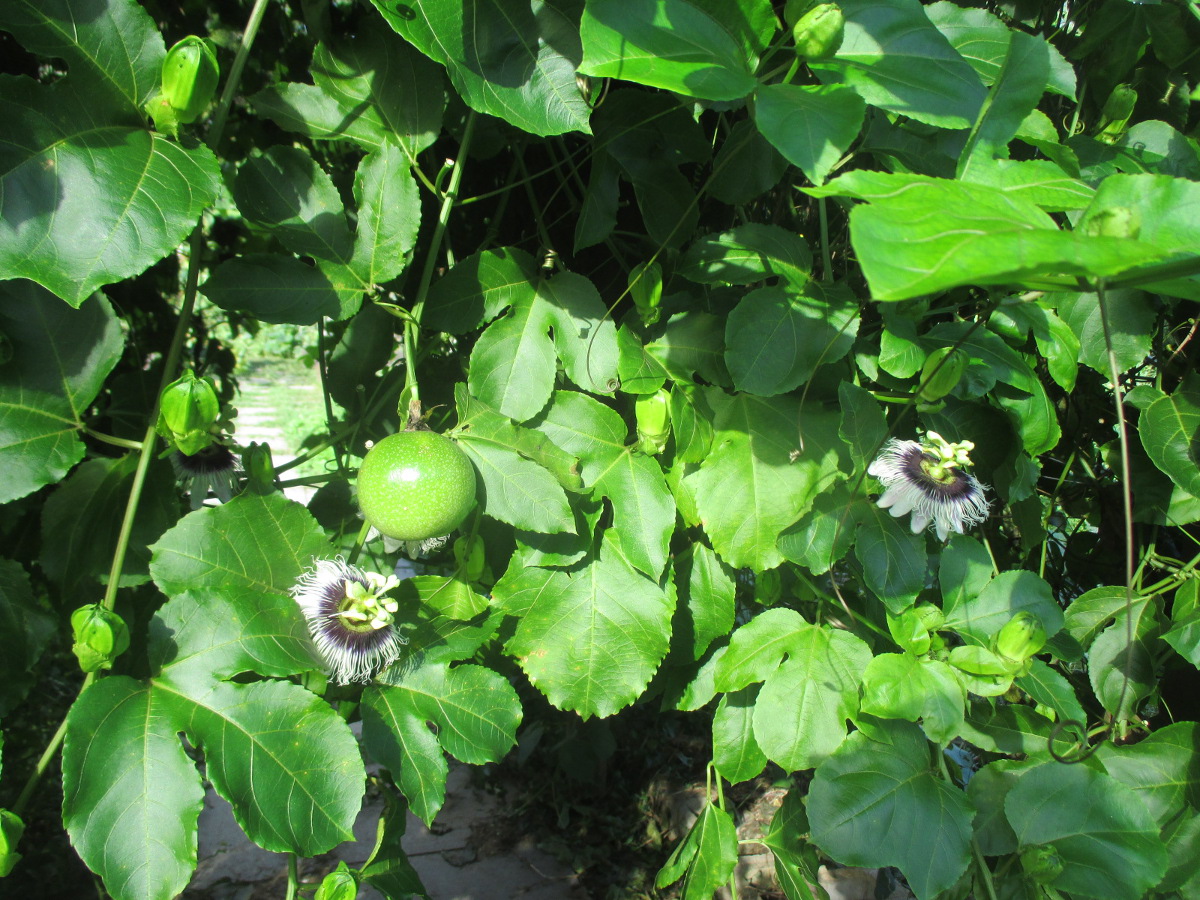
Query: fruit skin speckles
{"x":416,"y":485}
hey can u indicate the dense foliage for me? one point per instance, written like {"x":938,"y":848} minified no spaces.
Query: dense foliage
{"x":725,"y":303}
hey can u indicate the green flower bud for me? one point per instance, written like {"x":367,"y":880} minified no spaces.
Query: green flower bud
{"x":943,"y":370}
{"x":1022,"y":637}
{"x":340,"y":884}
{"x":1041,"y":863}
{"x":189,"y":78}
{"x":188,"y":409}
{"x":100,"y":637}
{"x":652,"y":413}
{"x":259,"y":466}
{"x":819,"y":33}
{"x":646,"y":287}
{"x":468,"y":553}
{"x":11,"y":829}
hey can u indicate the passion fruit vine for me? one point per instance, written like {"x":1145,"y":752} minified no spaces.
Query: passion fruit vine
{"x":416,"y":485}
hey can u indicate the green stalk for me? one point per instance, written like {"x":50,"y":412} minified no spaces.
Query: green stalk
{"x":412,"y":325}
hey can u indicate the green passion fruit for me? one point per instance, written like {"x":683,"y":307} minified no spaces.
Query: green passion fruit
{"x":416,"y":485}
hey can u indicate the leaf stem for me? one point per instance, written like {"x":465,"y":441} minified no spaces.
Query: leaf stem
{"x":47,"y":757}
{"x":112,"y":439}
{"x":293,"y":877}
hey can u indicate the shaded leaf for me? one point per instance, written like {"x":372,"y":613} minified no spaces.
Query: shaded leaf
{"x":812,"y":126}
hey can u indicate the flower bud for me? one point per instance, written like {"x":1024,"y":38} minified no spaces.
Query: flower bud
{"x":11,"y":829}
{"x":652,"y":413}
{"x":819,"y":33}
{"x":1022,"y":637}
{"x":1114,"y":221}
{"x":1041,"y":863}
{"x":189,"y":78}
{"x":188,"y":409}
{"x":100,"y":637}
{"x":339,"y":884}
{"x":646,"y":287}
{"x":468,"y":554}
{"x":259,"y":467}
{"x":943,"y":370}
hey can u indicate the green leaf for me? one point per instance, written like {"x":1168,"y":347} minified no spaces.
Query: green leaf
{"x":643,"y":508}
{"x":776,"y":338}
{"x":825,"y":533}
{"x":479,"y":288}
{"x":112,"y":48}
{"x":691,"y":423}
{"x":81,"y":521}
{"x":868,"y":785}
{"x":812,"y":674}
{"x":272,"y":287}
{"x":638,"y":371}
{"x":513,"y":362}
{"x":706,"y":857}
{"x":25,"y":628}
{"x":746,"y":166}
{"x":964,"y":571}
{"x":1184,"y":631}
{"x":389,"y":214}
{"x":1122,"y":671}
{"x":1090,"y":612}
{"x":1014,"y":729}
{"x":515,"y":63}
{"x":88,"y":198}
{"x":987,"y":789}
{"x":812,"y":126}
{"x":372,"y":88}
{"x":884,"y":44}
{"x":1161,"y":769}
{"x":748,"y":254}
{"x":287,"y":193}
{"x":672,"y":44}
{"x":935,"y":236}
{"x":516,"y":490}
{"x":767,"y":464}
{"x":902,"y":686}
{"x":692,"y":344}
{"x":589,"y":638}
{"x":864,"y":426}
{"x":983,"y":41}
{"x":892,"y":557}
{"x":796,"y":860}
{"x":449,"y":597}
{"x":1170,"y":432}
{"x":706,"y":599}
{"x":1039,"y":181}
{"x":388,"y":870}
{"x":60,"y":358}
{"x":476,"y":713}
{"x":1049,"y":688}
{"x":981,"y":618}
{"x":1019,"y":86}
{"x":736,"y":753}
{"x":1131,"y":317}
{"x":131,"y":796}
{"x":1105,"y":836}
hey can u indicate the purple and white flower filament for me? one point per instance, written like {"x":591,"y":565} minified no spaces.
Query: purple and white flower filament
{"x":929,"y":480}
{"x":350,"y":618}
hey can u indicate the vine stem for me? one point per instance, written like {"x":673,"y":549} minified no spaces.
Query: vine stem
{"x":195,"y":249}
{"x":1126,"y":482}
{"x":293,"y":877}
{"x":413,"y":324}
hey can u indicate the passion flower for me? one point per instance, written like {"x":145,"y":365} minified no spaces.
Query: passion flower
{"x":416,"y":485}
{"x":350,"y":618}
{"x":930,"y":480}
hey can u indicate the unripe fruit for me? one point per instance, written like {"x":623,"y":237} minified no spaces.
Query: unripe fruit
{"x":416,"y":485}
{"x":819,"y":33}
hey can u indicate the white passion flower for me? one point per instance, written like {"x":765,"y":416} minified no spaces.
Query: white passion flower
{"x":928,"y":479}
{"x":350,"y":618}
{"x":214,"y":468}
